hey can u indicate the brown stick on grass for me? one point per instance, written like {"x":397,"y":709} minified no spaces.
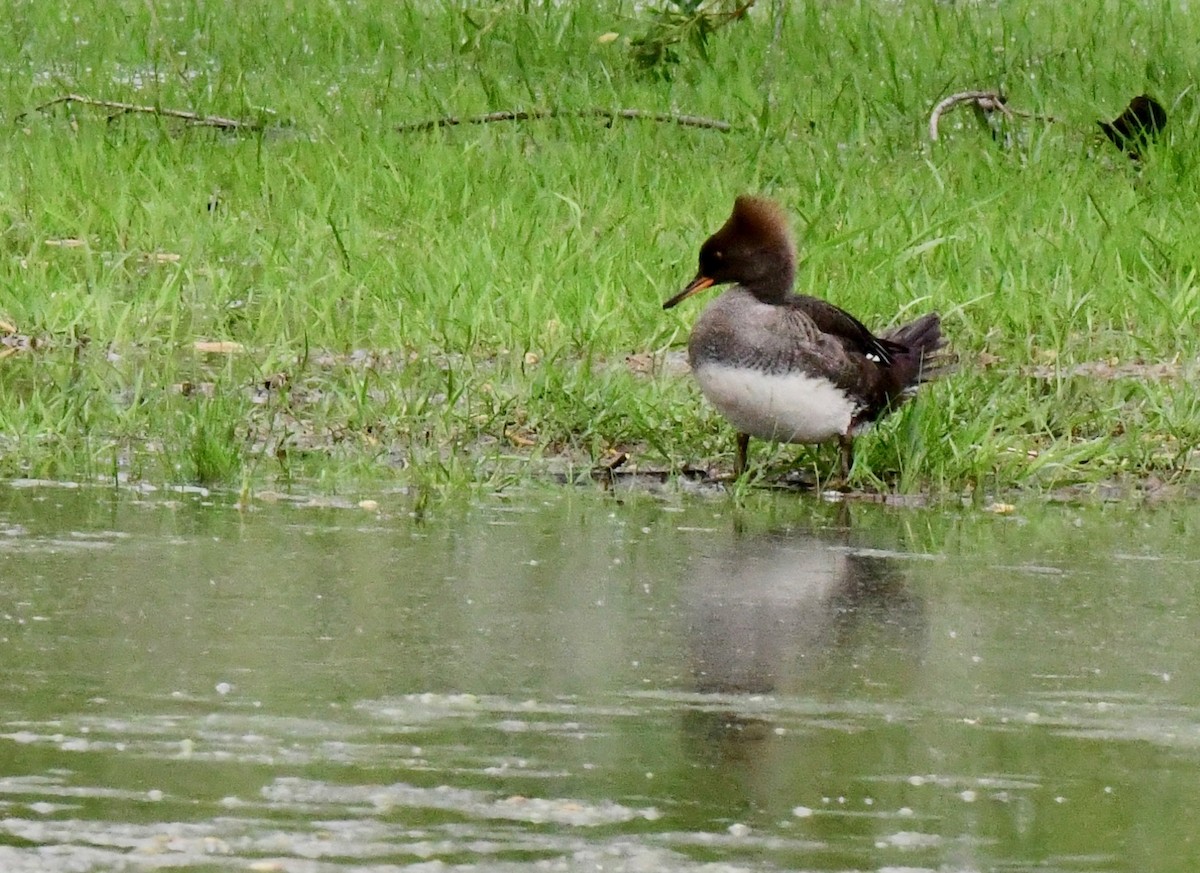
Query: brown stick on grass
{"x":223,"y":123}
{"x":537,"y":114}
{"x":985,"y":101}
{"x":217,"y":121}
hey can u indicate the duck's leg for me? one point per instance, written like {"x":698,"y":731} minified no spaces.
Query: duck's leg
{"x":739,"y":463}
{"x":845,"y":456}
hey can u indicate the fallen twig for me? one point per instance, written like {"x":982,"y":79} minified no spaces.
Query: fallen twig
{"x":537,"y":114}
{"x":216,"y":121}
{"x":223,"y":123}
{"x":985,"y":102}
{"x":12,"y":340}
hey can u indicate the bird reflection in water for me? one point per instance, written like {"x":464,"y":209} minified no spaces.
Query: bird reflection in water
{"x":793,"y":615}
{"x":793,"y":612}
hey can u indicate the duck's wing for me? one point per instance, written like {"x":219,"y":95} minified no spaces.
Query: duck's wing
{"x":840,"y":324}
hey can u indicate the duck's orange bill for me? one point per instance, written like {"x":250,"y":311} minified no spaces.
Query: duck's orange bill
{"x":694,"y":287}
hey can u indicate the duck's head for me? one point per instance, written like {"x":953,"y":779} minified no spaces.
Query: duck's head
{"x":753,"y":248}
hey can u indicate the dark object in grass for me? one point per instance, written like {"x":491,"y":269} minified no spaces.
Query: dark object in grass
{"x":1135,"y":128}
{"x":790,"y":368}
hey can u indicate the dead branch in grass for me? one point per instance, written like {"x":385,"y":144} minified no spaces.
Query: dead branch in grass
{"x":985,"y":102}
{"x":538,"y":114}
{"x":222,"y":123}
{"x":217,"y":121}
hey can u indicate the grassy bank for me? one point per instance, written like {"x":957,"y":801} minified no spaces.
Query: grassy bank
{"x":457,"y":306}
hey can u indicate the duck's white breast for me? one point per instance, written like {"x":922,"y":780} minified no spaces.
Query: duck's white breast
{"x":793,"y":407}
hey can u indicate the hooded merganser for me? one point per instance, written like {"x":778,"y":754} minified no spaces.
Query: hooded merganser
{"x":790,"y":368}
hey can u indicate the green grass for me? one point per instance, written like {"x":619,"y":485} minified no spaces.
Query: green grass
{"x":454,"y":308}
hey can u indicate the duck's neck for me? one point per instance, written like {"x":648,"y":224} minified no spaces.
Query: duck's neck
{"x":775,"y":285}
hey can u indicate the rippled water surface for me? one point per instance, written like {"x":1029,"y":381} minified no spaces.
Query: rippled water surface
{"x":576,"y":682}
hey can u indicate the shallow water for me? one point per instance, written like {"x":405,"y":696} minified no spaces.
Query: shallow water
{"x":575,"y":682}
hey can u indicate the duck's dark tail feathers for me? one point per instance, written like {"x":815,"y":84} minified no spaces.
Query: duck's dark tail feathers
{"x":924,"y":356}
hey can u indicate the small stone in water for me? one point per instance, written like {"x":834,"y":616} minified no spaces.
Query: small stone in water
{"x":801,"y":811}
{"x":739,"y":830}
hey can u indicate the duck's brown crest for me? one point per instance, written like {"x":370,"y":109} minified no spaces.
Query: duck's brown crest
{"x":761,"y":219}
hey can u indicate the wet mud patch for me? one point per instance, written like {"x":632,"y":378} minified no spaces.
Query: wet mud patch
{"x":448,"y":419}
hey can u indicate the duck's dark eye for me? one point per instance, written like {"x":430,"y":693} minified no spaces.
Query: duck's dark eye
{"x":718,"y":255}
